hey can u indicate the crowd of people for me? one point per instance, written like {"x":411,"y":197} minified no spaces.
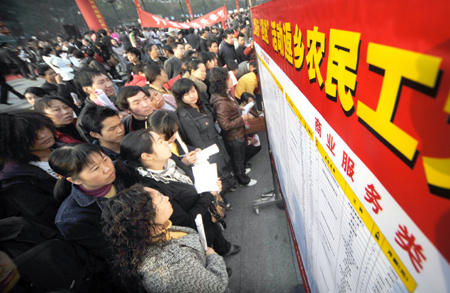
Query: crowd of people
{"x":96,"y":181}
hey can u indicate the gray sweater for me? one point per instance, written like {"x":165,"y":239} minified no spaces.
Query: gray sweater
{"x":182,"y":266}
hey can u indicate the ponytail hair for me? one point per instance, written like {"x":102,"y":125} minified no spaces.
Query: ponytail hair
{"x":69,"y":161}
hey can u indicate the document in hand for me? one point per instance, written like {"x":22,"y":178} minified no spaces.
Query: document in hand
{"x":247,"y":108}
{"x":203,"y":156}
{"x":205,"y":177}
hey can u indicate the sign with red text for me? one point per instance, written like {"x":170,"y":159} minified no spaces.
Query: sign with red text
{"x":357,"y":99}
{"x":92,"y":14}
{"x":151,"y":20}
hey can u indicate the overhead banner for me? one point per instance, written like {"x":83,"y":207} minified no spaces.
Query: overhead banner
{"x":150,"y":20}
{"x":357,"y":99}
{"x":92,"y":14}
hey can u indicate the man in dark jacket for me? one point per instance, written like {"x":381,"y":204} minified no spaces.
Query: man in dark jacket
{"x":124,"y":39}
{"x":10,"y":58}
{"x":193,"y":39}
{"x":240,"y":49}
{"x":54,"y":85}
{"x":203,"y":40}
{"x":227,"y":53}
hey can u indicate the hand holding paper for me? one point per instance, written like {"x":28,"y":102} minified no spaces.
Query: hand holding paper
{"x":205,"y":177}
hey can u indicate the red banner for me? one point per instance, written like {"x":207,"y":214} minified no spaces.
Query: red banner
{"x":191,"y":15}
{"x":151,"y":20}
{"x":92,"y":14}
{"x":237,"y":5}
{"x":381,"y":80}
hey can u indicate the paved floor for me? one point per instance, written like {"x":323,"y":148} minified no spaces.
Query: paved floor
{"x":20,"y":85}
{"x":266,"y":262}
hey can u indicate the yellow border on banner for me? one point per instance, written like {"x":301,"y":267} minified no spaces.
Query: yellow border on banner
{"x":377,"y":235}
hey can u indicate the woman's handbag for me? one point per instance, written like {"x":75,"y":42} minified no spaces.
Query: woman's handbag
{"x":113,"y":61}
{"x":217,"y":211}
{"x":256,"y":125}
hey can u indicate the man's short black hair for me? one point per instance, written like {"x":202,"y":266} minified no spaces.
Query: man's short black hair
{"x":85,"y":76}
{"x":242,"y":26}
{"x":42,"y":69}
{"x":125,"y":93}
{"x":226,"y":33}
{"x":78,"y":54}
{"x":149,"y":47}
{"x":210,"y":42}
{"x":175,"y":45}
{"x":167,"y":48}
{"x":134,"y":51}
{"x":241,"y":35}
{"x":94,"y":116}
{"x":206,"y":56}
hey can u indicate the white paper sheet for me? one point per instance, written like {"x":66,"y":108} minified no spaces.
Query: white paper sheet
{"x":205,"y":177}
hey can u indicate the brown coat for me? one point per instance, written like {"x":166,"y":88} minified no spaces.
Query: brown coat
{"x":228,"y":116}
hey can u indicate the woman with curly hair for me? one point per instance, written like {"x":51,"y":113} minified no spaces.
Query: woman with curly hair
{"x":148,"y":160}
{"x":153,"y":255}
{"x":26,"y":179}
{"x":231,"y":121}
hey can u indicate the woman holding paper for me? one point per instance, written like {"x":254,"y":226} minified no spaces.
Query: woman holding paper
{"x":154,"y":255}
{"x":148,"y":160}
{"x":231,"y":121}
{"x":200,"y":128}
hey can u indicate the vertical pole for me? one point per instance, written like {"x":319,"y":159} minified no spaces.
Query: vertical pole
{"x":206,"y":12}
{"x":181,"y":6}
{"x":143,"y":4}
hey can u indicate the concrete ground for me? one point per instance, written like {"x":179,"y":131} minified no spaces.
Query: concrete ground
{"x":20,"y":85}
{"x":266,"y":262}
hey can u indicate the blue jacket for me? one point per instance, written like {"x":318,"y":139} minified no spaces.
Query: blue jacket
{"x":79,"y":218}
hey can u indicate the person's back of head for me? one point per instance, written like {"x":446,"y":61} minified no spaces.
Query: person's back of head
{"x":218,"y":81}
{"x":232,"y":66}
{"x":205,"y":57}
{"x":190,"y":54}
{"x":170,"y":40}
{"x":152,"y":71}
{"x":163,"y":124}
{"x":168,"y":49}
{"x":138,"y":68}
{"x":90,"y":53}
{"x":191,"y":30}
{"x":78,"y":54}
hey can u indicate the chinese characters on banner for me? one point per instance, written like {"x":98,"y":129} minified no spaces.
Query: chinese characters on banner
{"x":188,"y":4}
{"x":92,"y":14}
{"x":151,"y":20}
{"x":375,"y":84}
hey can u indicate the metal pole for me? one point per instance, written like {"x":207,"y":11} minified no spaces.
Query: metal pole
{"x":206,"y":12}
{"x":116,"y":12}
{"x":181,"y":6}
{"x":143,"y":4}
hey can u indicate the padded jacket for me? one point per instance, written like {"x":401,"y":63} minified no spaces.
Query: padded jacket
{"x":228,"y":116}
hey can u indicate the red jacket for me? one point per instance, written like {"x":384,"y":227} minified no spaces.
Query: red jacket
{"x":137,"y":80}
